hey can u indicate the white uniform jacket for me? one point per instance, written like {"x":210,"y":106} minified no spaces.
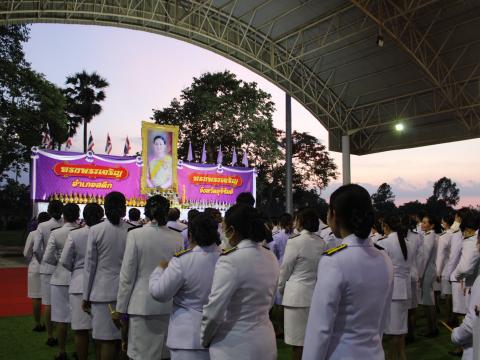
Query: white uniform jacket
{"x":40,"y":243}
{"x":56,"y":242}
{"x":33,"y":264}
{"x":146,"y":247}
{"x":279,"y":244}
{"x":463,"y":335}
{"x":105,"y":248}
{"x":176,"y":226}
{"x":298,"y":273}
{"x":443,"y":253}
{"x":455,"y":254}
{"x":414,"y":245}
{"x":73,"y":257}
{"x":188,"y":280}
{"x":235,"y":321}
{"x":467,"y":268}
{"x":429,"y":249}
{"x":344,"y":323}
{"x":401,"y":267}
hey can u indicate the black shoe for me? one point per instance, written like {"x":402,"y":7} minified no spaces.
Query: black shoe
{"x":52,"y":342}
{"x":456,"y":353}
{"x":62,"y":356}
{"x":39,"y":328}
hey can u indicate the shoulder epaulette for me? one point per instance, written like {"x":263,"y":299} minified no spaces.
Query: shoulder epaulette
{"x":315,"y":234}
{"x":77,"y":228}
{"x":177,"y":230}
{"x":275,"y":233}
{"x":182,"y":252}
{"x":323,"y":228}
{"x":134,"y":227}
{"x":378,"y":247}
{"x":293,"y":236}
{"x":456,"y":231}
{"x":428,"y":233}
{"x":334,"y":250}
{"x":58,"y":227}
{"x":414,"y":231}
{"x":382,"y":238}
{"x":265,"y":247}
{"x":229,"y":251}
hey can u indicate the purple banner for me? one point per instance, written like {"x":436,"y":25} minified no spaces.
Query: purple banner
{"x":79,"y":177}
{"x":203,"y":183}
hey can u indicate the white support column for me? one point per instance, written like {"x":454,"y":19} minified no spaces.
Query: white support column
{"x":288,"y":160}
{"x":346,"y":159}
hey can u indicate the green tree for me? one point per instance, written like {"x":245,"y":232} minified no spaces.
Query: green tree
{"x":384,"y":199}
{"x":13,"y":198}
{"x":84,"y":92}
{"x":445,"y":189}
{"x":28,"y":102}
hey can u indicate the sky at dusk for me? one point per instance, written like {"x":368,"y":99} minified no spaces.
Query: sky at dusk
{"x":147,"y":71}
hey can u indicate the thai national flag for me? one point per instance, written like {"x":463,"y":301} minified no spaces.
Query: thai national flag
{"x":91,"y":144}
{"x":127,"y":147}
{"x":108,"y":145}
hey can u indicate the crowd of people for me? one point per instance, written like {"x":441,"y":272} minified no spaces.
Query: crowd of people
{"x":332,"y":285}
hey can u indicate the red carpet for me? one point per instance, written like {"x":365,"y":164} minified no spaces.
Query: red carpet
{"x":13,"y":298}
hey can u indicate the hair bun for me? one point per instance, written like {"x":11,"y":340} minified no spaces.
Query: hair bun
{"x":362,"y":223}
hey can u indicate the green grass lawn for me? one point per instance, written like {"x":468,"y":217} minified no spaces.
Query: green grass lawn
{"x":17,"y":341}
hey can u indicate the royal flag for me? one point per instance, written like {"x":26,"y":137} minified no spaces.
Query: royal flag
{"x":220,"y":155}
{"x":190,"y":152}
{"x":69,"y":143}
{"x":127,"y":147}
{"x":91,"y":144}
{"x":234,"y":157}
{"x":108,"y":145}
{"x":204,"y":155}
{"x":46,"y":139}
{"x":245,"y":159}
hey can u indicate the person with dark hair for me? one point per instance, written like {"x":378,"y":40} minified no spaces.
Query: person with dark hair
{"x":73,"y":259}
{"x":468,"y":266}
{"x":280,"y":238}
{"x":192,"y":214}
{"x":34,"y":291}
{"x":443,"y":254}
{"x":217,"y":217}
{"x":377,"y":230}
{"x":235,"y":323}
{"x":55,"y":208}
{"x":298,"y":274}
{"x":60,"y":279}
{"x":459,"y":307}
{"x":134,"y":217}
{"x":103,"y":259}
{"x":344,"y":322}
{"x":187,"y":279}
{"x":173,"y":222}
{"x":427,"y":271}
{"x":397,"y":249}
{"x":160,"y":164}
{"x":147,"y":246}
{"x":245,"y":198}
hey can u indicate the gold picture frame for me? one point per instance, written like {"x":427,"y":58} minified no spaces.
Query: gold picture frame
{"x":159,"y":173}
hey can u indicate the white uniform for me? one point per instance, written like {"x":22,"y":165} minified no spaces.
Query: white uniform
{"x":176,"y":225}
{"x":298,"y":275}
{"x":148,"y":318}
{"x":414,"y":246}
{"x":329,"y":237}
{"x":467,"y":268}
{"x":105,"y":249}
{"x":463,"y":335}
{"x":427,"y":270}
{"x":33,"y":280}
{"x":344,"y":323}
{"x":61,"y":277}
{"x":188,"y":280}
{"x":443,"y":254}
{"x":235,"y":322}
{"x":279,"y":244}
{"x":73,"y":259}
{"x":397,"y":322}
{"x":376,"y":237}
{"x":39,"y":245}
{"x":458,"y":298}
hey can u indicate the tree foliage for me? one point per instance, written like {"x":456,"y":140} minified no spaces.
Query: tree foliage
{"x":84,"y":92}
{"x":219,"y":109}
{"x":28,"y":102}
{"x":384,"y":199}
{"x":13,"y":198}
{"x":446,"y":190}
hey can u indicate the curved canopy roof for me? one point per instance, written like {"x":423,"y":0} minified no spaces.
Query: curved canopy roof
{"x":325,"y":54}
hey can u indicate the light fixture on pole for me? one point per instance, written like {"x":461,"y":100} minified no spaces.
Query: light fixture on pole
{"x":399,"y":127}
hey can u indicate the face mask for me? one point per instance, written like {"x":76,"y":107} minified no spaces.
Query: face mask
{"x":455,"y":226}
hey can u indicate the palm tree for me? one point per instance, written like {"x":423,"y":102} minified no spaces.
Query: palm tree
{"x":84,"y":92}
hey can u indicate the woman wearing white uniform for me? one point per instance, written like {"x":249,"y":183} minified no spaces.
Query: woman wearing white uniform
{"x":443,"y":254}
{"x":146,"y":247}
{"x":298,"y":274}
{"x":235,"y":322}
{"x":33,"y":281}
{"x":187,"y":278}
{"x":344,"y":321}
{"x":281,"y":237}
{"x":427,"y":271}
{"x":73,"y":259}
{"x":105,"y":249}
{"x":396,"y":248}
